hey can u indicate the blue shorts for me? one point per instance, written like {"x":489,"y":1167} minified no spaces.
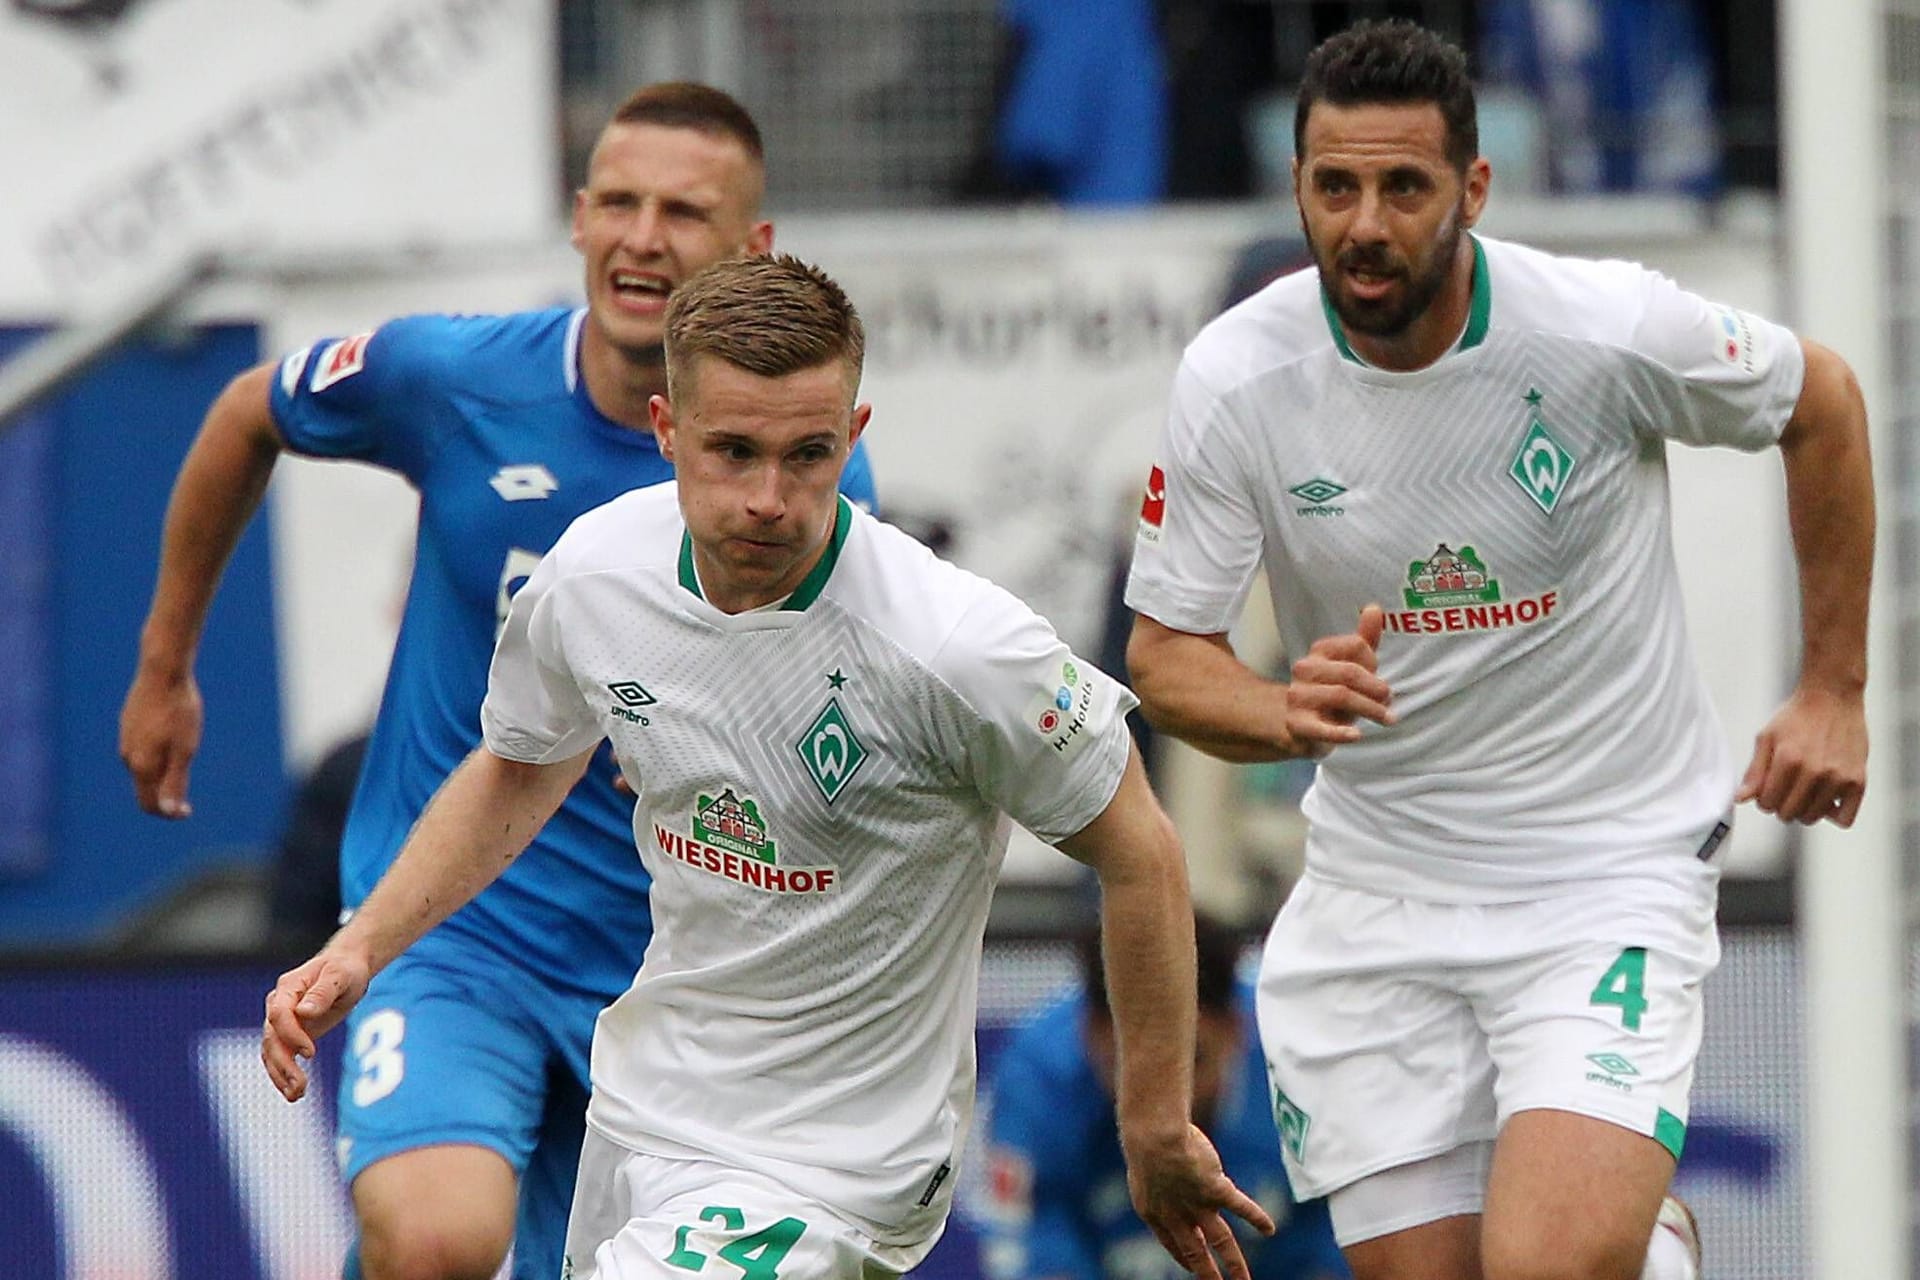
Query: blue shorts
{"x":437,"y":1055}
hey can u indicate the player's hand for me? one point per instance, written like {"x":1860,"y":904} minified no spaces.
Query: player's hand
{"x":1180,"y":1191}
{"x":159,"y":732}
{"x":303,"y":1006}
{"x":1338,"y":683}
{"x":1810,"y":762}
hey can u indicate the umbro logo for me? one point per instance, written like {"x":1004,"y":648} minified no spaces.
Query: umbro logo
{"x":524,"y":482}
{"x":632,"y":694}
{"x":1316,"y":494}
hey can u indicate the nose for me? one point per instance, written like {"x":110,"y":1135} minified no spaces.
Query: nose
{"x":645,"y":233}
{"x":1369,"y":225}
{"x":766,"y":494}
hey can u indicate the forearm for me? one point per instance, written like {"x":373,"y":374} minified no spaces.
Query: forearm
{"x":1147,"y":940}
{"x":219,"y":488}
{"x":482,"y":818}
{"x":1196,"y":689}
{"x":1830,"y":510}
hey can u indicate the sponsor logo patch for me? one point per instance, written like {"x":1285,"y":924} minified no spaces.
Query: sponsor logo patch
{"x":730,"y":840}
{"x":340,"y":361}
{"x":1454,"y":591}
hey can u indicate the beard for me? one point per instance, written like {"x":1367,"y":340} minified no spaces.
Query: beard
{"x":1393,"y":315}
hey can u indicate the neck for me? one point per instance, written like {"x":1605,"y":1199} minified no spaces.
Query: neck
{"x":620,"y":383}
{"x":1434,"y":332}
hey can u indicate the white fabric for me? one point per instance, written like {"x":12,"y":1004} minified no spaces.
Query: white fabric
{"x":1396,"y":1030}
{"x":1450,"y":1185}
{"x":641,"y":1217}
{"x":806,"y":1007}
{"x":1552,"y":727}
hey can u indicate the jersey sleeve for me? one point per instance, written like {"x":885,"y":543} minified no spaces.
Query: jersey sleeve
{"x":1717,"y":375}
{"x":1049,"y":739}
{"x":856,"y":482}
{"x":375,"y":397}
{"x":1199,"y":542}
{"x":534,"y":712}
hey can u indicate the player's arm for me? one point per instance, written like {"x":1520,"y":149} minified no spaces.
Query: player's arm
{"x":1195,"y":688}
{"x":1173,"y":1172}
{"x":1810,"y":761}
{"x":218,"y":489}
{"x":482,"y":818}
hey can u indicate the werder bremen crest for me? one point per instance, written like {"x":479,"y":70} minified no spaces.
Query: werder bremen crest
{"x":728,"y":822}
{"x":1542,"y":465}
{"x":1449,"y":577}
{"x":830,"y":751}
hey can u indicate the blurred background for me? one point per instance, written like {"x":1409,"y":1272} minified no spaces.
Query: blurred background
{"x":1035,"y":204}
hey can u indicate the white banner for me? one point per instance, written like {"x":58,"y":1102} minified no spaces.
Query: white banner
{"x":135,"y":136}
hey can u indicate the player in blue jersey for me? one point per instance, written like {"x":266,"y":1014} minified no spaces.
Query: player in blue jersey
{"x":1057,"y":1205}
{"x":463,"y":1096}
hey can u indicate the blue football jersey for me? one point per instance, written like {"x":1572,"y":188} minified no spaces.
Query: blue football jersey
{"x":1057,"y":1201}
{"x":489,"y":419}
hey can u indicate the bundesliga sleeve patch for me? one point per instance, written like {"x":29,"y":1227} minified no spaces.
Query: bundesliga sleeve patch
{"x":340,"y":361}
{"x":1153,"y":506}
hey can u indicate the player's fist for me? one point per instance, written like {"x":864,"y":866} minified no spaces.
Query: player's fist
{"x":159,"y":733}
{"x":304,"y":1005}
{"x":1337,"y":684}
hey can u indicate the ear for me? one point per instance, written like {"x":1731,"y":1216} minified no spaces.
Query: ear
{"x":1479,"y":179}
{"x":660,"y":414}
{"x":760,"y":240}
{"x":861,"y":412}
{"x":579,"y":233}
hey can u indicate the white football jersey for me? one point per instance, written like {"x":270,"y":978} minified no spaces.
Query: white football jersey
{"x":1508,"y":507}
{"x":824,"y":792}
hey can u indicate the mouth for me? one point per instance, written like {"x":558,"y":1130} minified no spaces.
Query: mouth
{"x":640,"y":292}
{"x":1370,"y":282}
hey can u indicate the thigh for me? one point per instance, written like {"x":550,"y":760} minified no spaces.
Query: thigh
{"x":1375,"y":1060}
{"x":435,"y":1057}
{"x":1607,"y":1021}
{"x":1574,"y":1188}
{"x":641,"y":1217}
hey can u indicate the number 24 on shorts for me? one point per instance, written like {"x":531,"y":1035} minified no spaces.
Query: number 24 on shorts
{"x":758,"y":1254}
{"x":1625,"y":984}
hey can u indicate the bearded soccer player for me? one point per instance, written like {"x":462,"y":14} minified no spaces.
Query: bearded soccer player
{"x":1482,"y":1003}
{"x":461,"y":1113}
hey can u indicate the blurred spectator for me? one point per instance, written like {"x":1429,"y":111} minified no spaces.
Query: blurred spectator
{"x":1058,"y":1203}
{"x":1626,"y":87}
{"x":304,"y":892}
{"x":1081,"y":116}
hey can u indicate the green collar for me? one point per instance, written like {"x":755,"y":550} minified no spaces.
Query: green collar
{"x":810,"y":586}
{"x":1479,"y":310}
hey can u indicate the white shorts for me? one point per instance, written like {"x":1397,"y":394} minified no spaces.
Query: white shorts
{"x":654,"y":1217}
{"x":1397,"y":1030}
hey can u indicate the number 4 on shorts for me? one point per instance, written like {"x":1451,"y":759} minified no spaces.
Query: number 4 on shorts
{"x":1625,"y":984}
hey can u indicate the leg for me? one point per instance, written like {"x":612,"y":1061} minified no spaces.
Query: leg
{"x":1419,"y":1221}
{"x":441,"y":1094}
{"x":546,"y":1186}
{"x":435,"y":1213}
{"x":1571,"y":1198}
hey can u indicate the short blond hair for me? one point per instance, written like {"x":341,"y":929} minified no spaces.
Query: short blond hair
{"x":770,"y":316}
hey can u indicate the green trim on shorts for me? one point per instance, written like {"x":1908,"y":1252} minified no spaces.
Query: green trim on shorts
{"x":1670,"y":1131}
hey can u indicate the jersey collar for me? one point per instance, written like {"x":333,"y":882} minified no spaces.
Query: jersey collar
{"x":810,"y":586}
{"x":1479,"y":310}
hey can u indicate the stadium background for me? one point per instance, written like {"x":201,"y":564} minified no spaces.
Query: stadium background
{"x":188,"y":195}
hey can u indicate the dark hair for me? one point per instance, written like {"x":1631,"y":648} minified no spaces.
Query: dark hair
{"x":1392,"y":62}
{"x":682,"y":104}
{"x":1217,"y":960}
{"x":771,"y":316}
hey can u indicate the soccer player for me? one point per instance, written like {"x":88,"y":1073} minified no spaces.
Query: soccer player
{"x":454,"y":1106}
{"x":1482,"y":1004}
{"x":1057,"y":1205}
{"x":828,"y":729}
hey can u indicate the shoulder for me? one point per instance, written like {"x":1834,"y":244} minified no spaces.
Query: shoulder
{"x":639,"y":529}
{"x":919,"y":601}
{"x":1587,"y":299}
{"x":1280,"y":325}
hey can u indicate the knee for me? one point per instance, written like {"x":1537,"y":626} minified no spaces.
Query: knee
{"x":424,"y":1250}
{"x":1563,"y":1259}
